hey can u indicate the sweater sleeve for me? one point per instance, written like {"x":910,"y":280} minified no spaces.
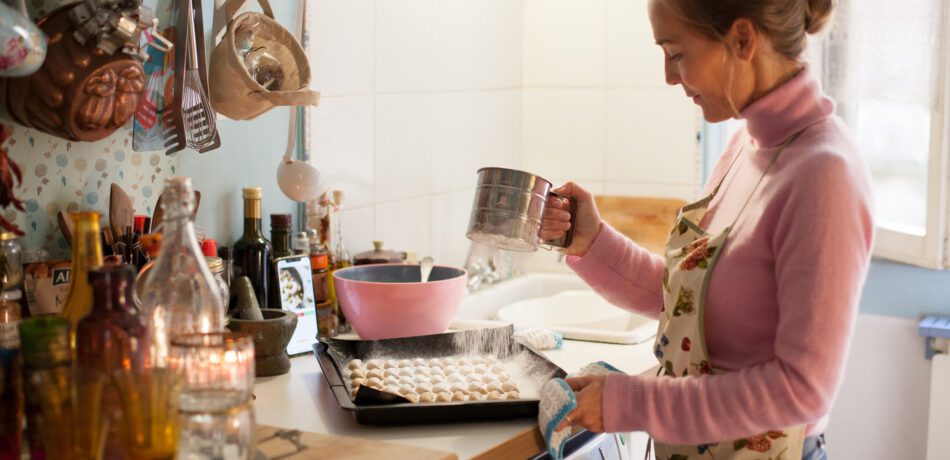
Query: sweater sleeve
{"x":821,"y":243}
{"x":625,"y":274}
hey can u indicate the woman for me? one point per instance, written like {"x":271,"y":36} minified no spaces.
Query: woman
{"x":759,"y":286}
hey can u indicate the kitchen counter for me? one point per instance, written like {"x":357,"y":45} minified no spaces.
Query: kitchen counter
{"x":301,"y":399}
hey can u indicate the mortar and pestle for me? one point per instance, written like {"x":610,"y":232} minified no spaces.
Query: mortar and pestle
{"x":271,"y":329}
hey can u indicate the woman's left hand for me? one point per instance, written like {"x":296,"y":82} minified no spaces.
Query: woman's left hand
{"x":589,"y":413}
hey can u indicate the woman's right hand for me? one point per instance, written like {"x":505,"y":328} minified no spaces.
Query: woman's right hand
{"x":557,"y":220}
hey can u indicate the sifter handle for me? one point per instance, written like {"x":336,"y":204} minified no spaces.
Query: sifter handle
{"x":566,"y":240}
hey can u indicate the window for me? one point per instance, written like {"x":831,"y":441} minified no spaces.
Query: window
{"x":886,"y":64}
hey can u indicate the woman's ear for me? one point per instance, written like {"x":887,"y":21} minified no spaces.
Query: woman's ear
{"x":742,"y":39}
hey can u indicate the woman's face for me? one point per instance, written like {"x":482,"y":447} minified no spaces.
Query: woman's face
{"x":700,"y":65}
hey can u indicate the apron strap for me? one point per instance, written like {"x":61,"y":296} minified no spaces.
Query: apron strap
{"x":723,"y":178}
{"x":748,"y":199}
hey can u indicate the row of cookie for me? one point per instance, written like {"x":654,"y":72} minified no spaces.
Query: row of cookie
{"x":417,"y":362}
{"x":449,"y":387}
{"x":431,"y":375}
{"x":445,"y":396}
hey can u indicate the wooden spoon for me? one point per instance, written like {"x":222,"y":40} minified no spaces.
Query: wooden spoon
{"x":158,"y":215}
{"x":66,"y":226}
{"x":121,"y":211}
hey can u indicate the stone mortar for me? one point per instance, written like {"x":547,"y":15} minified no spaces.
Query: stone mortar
{"x":271,"y":336}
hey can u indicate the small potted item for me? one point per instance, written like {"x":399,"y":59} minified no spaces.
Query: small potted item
{"x":379,"y":256}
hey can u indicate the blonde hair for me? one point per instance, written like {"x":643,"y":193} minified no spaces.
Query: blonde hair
{"x":785,"y":22}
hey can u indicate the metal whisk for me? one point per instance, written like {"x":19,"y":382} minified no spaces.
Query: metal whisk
{"x":197,"y":115}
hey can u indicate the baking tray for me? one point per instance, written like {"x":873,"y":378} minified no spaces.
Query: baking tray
{"x":373,"y":407}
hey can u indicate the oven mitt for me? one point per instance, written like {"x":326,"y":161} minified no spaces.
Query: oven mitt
{"x":539,"y":339}
{"x":558,"y":400}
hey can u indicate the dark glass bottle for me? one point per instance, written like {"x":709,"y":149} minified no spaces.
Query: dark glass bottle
{"x":111,"y":338}
{"x":280,"y":233}
{"x":252,"y":253}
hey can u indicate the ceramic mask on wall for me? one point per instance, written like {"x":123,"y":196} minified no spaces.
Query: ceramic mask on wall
{"x":72,"y":176}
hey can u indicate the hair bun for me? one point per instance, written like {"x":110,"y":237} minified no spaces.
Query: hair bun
{"x":818,"y":14}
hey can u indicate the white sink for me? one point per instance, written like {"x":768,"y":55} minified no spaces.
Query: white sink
{"x":562,"y":303}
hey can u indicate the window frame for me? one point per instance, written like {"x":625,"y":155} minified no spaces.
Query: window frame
{"x":932,"y":249}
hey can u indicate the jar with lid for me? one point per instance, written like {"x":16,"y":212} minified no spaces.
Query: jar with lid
{"x":216,"y":265}
{"x":379,"y":256}
{"x":300,"y":243}
{"x":11,"y":262}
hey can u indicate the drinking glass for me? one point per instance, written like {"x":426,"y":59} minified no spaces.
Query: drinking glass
{"x":218,"y":370}
{"x":150,"y":411}
{"x":222,"y":435}
{"x":217,"y":416}
{"x":70,"y":422}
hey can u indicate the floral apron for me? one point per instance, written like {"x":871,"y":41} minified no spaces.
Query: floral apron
{"x":680,"y":346}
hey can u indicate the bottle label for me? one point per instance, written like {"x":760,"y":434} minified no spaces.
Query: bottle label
{"x":10,"y":335}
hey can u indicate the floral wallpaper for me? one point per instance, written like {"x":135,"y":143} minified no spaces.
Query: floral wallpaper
{"x":73,"y":176}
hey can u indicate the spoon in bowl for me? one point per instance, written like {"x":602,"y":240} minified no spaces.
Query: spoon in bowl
{"x":425,"y":267}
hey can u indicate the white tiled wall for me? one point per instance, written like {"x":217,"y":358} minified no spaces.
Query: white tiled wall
{"x":417,"y":95}
{"x":595,"y":104}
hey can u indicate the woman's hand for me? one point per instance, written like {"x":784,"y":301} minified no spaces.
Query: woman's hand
{"x":557,"y":219}
{"x":590,"y":403}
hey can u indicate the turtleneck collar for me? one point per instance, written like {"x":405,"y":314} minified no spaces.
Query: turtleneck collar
{"x":787,"y":109}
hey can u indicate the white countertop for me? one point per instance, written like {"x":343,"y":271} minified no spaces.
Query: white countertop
{"x":301,"y":399}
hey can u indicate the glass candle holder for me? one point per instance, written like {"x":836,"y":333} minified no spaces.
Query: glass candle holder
{"x":217,"y":368}
{"x":226,"y":435}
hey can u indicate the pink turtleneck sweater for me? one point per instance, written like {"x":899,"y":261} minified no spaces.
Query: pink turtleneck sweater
{"x":783,"y":297}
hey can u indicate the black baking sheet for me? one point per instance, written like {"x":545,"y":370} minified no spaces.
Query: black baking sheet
{"x":373,"y":407}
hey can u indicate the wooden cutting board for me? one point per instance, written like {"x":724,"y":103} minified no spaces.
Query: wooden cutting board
{"x":277,"y":443}
{"x":646,"y":221}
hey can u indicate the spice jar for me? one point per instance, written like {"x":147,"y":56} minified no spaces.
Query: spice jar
{"x":326,"y":317}
{"x":10,"y":319}
{"x":216,"y":265}
{"x":11,"y":262}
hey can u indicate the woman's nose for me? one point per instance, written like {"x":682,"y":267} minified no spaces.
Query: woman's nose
{"x":672,"y":76}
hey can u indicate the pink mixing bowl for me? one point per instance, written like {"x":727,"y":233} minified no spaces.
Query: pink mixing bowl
{"x":388,"y":301}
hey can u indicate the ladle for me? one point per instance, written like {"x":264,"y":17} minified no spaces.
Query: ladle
{"x":298,"y":180}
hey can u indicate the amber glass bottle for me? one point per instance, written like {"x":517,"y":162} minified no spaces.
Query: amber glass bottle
{"x":111,"y":338}
{"x":87,"y":255}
